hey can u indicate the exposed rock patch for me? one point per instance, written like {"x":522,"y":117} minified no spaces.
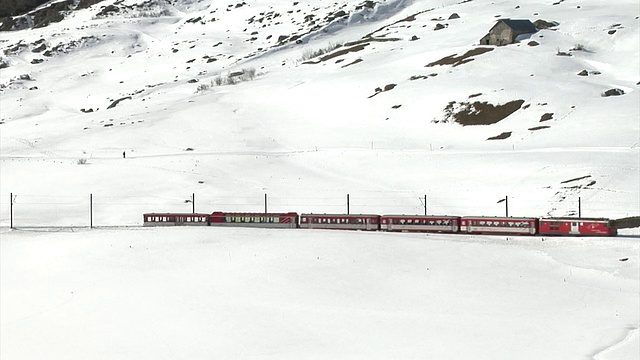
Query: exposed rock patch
{"x":613,"y":92}
{"x":479,"y":113}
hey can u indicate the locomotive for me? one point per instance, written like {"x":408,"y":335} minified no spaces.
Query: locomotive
{"x":564,"y":226}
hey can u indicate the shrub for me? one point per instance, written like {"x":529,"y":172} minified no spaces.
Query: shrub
{"x":82,"y":161}
{"x":202,"y":87}
{"x":579,"y":47}
{"x":309,"y":54}
{"x":248,"y":74}
{"x":231,"y":79}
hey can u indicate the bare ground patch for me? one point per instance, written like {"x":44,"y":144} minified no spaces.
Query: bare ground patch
{"x":462,"y":59}
{"x":539,"y":128}
{"x":387,"y":87}
{"x":504,"y":135}
{"x":352,"y":63}
{"x":479,"y":113}
{"x":338,"y":53}
{"x":546,"y":117}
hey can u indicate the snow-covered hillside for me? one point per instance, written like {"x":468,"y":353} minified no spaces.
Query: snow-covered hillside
{"x":127,"y":107}
{"x":371,"y":117}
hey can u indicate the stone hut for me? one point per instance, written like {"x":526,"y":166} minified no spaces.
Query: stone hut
{"x":506,"y":31}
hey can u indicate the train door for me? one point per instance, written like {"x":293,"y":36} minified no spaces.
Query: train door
{"x":368,"y":224}
{"x":465,"y":226}
{"x":574,"y":228}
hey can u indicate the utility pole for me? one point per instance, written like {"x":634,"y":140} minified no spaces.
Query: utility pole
{"x":265,"y":203}
{"x":91,"y":211}
{"x":506,"y":206}
{"x":347,"y":204}
{"x":193,"y":203}
{"x":425,"y":205}
{"x":579,"y":206}
{"x":11,"y":209}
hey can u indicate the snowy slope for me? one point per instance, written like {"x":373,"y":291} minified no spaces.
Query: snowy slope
{"x":302,"y":127}
{"x":151,"y":80}
{"x":290,"y":294}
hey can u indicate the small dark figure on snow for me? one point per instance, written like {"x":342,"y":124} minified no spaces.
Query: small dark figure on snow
{"x":124,"y":154}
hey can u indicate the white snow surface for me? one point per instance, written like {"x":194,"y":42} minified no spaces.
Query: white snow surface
{"x":306,"y":135}
{"x":201,"y":293}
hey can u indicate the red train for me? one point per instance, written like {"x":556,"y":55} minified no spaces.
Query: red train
{"x":398,"y":223}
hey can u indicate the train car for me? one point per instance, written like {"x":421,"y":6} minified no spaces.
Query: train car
{"x":576,"y":226}
{"x":264,"y":220}
{"x":498,"y":225}
{"x":175,"y":219}
{"x":340,"y":221}
{"x":420,"y":223}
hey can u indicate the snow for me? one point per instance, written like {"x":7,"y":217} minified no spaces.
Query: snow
{"x":308,"y":135}
{"x":242,"y":293}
